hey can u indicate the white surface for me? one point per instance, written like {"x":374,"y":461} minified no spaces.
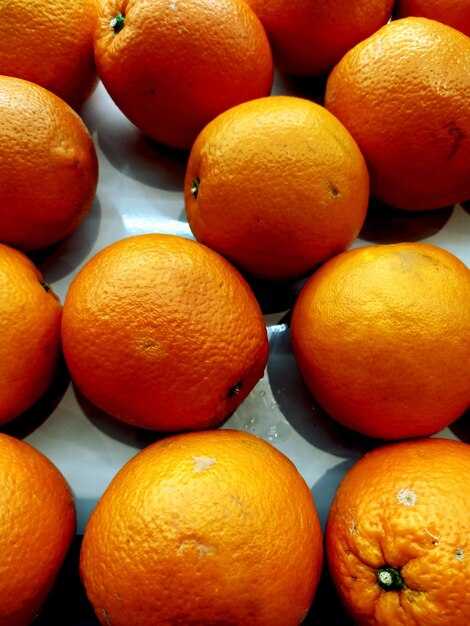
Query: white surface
{"x":141,"y":190}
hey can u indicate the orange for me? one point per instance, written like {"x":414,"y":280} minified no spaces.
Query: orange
{"x":51,"y":44}
{"x":277,"y":185}
{"x":381,"y":334}
{"x":30,"y":317}
{"x":455,"y":13}
{"x":48,"y":166}
{"x":173,"y":65}
{"x":37,"y":515}
{"x":163,"y":333}
{"x":403,"y":95}
{"x":309,"y":38}
{"x":397,"y":535}
{"x":205,"y":528}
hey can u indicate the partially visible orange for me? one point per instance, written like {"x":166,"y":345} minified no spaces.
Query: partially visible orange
{"x":51,"y":44}
{"x":455,"y":13}
{"x":277,"y":185}
{"x":205,"y":529}
{"x":309,"y":38}
{"x":30,"y":317}
{"x":163,"y":333}
{"x":381,"y":335}
{"x":172,"y":66}
{"x":48,"y":166}
{"x":403,"y":95}
{"x":397,"y":535}
{"x":37,"y":518}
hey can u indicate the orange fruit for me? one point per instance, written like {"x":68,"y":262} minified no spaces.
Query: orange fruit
{"x":403,"y":95}
{"x":309,"y":38}
{"x":51,"y":44}
{"x":173,"y":66}
{"x":380,"y":335}
{"x":37,"y":514}
{"x":48,"y":166}
{"x":397,"y":535}
{"x":163,"y":333}
{"x":277,"y":185}
{"x":30,"y":317}
{"x":455,"y":13}
{"x":205,"y":528}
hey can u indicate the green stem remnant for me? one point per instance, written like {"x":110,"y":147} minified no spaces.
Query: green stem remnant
{"x":234,"y":390}
{"x":195,"y":188}
{"x":117,"y":23}
{"x":45,"y":286}
{"x":389,"y":578}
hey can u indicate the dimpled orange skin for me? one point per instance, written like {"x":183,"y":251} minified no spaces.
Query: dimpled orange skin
{"x":37,"y":514}
{"x":48,"y":166}
{"x":30,"y":317}
{"x":403,"y":95}
{"x":212,"y":528}
{"x":163,"y":333}
{"x":380,"y":335}
{"x":309,"y":38}
{"x":51,"y":44}
{"x":282,"y":186}
{"x":407,"y":506}
{"x":174,"y":66}
{"x":455,"y":13}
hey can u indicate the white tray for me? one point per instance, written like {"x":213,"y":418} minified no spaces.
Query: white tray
{"x":141,"y":190}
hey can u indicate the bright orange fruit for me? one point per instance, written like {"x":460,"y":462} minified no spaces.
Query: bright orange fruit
{"x":48,"y":166}
{"x":30,"y":317}
{"x":309,"y":38}
{"x":37,"y":514}
{"x":51,"y":44}
{"x":210,"y":528}
{"x":277,"y":185}
{"x":403,"y":95}
{"x":163,"y":333}
{"x":397,"y":535}
{"x":172,"y":66}
{"x":455,"y":13}
{"x":381,"y":334}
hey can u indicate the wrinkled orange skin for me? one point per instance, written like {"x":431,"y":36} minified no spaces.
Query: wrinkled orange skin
{"x":403,"y":95}
{"x":283,"y":186}
{"x":37,"y":515}
{"x":455,"y":13}
{"x":210,"y":528}
{"x":380,"y":335}
{"x":48,"y":166}
{"x":30,"y":317}
{"x":163,"y":333}
{"x":51,"y":44}
{"x":309,"y":38}
{"x":174,"y":66}
{"x":405,"y":505}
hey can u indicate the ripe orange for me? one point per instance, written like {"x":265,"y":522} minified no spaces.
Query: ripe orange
{"x":277,"y":185}
{"x":51,"y":44}
{"x":205,"y":528}
{"x":455,"y":13}
{"x":403,"y":95}
{"x":37,"y":514}
{"x":398,"y":532}
{"x":309,"y":38}
{"x":163,"y":333}
{"x":48,"y":166}
{"x":172,"y":66}
{"x":30,"y":316}
{"x":381,"y":334}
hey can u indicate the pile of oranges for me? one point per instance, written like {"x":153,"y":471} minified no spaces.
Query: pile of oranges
{"x":165,"y":332}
